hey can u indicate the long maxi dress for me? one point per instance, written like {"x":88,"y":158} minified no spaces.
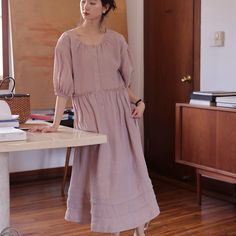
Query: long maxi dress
{"x":110,"y":188}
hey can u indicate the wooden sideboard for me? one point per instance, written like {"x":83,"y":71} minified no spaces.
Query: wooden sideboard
{"x":206,"y":140}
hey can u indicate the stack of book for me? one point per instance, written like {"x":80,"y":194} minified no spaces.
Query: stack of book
{"x":226,"y":101}
{"x":49,"y":116}
{"x":8,"y":124}
{"x":209,"y":98}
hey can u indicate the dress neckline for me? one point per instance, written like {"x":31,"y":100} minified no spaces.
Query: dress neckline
{"x":92,"y":45}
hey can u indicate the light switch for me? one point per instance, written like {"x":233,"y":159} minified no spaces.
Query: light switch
{"x":219,"y":39}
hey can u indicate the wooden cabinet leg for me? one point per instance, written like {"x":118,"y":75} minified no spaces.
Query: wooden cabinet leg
{"x":68,"y":152}
{"x":199,"y":188}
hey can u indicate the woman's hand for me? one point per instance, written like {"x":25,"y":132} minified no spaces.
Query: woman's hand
{"x":44,"y":129}
{"x":138,"y":111}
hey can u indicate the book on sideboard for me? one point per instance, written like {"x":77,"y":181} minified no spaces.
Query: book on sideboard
{"x":224,"y":104}
{"x":209,"y":98}
{"x":226,"y":101}
{"x":230,"y":99}
{"x":215,"y":93}
{"x":201,"y":102}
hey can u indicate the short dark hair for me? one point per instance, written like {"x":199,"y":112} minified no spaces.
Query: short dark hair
{"x":111,"y":5}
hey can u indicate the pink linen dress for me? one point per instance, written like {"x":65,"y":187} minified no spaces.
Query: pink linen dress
{"x":110,"y":188}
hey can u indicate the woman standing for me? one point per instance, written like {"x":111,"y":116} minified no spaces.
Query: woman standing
{"x":110,"y":187}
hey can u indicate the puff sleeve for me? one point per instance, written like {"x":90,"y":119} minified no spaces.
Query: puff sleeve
{"x":126,"y":68}
{"x":62,"y":73}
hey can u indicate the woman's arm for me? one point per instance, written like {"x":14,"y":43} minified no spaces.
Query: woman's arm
{"x":140,"y":107}
{"x":59,"y":110}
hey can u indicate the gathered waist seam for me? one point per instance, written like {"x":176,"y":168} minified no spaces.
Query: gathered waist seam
{"x":99,"y":91}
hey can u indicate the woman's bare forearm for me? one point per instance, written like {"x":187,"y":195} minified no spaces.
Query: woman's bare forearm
{"x":132,"y":97}
{"x":59,"y":110}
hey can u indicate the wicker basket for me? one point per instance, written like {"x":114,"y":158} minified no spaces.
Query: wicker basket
{"x":18,"y":103}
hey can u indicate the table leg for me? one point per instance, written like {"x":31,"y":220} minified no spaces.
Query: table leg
{"x":4,"y":192}
{"x":68,"y":152}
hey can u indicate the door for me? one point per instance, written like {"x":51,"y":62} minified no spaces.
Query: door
{"x":171,"y":73}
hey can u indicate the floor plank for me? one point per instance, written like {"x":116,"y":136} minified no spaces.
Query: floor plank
{"x":37,"y":208}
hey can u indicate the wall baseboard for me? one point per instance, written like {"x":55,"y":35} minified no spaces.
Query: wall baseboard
{"x":36,"y":175}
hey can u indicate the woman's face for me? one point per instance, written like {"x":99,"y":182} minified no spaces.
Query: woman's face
{"x":91,"y":9}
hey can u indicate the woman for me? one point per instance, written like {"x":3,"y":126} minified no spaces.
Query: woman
{"x":110,"y":187}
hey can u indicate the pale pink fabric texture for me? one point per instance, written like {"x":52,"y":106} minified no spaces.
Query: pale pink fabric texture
{"x":110,"y":187}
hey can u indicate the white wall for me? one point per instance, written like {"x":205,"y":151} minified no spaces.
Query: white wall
{"x":135,"y":32}
{"x":218,"y":64}
{"x":136,"y":39}
{"x":23,"y":161}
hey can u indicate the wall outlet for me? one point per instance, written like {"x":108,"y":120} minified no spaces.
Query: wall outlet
{"x":219,"y":39}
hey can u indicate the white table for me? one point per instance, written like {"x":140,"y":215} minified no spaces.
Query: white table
{"x":64,"y":137}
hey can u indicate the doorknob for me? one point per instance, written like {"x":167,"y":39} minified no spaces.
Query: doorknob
{"x":186,"y":79}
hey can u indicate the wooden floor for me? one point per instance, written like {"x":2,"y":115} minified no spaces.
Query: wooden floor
{"x":38,"y":209}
